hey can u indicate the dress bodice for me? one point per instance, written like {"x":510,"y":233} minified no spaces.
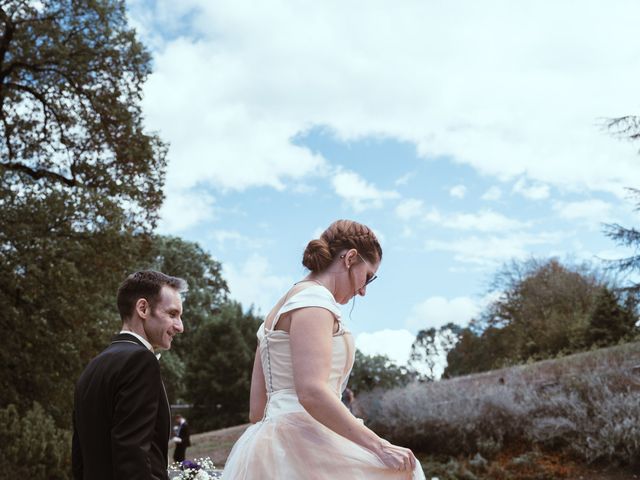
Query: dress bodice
{"x":288,"y":442}
{"x":275,"y":350}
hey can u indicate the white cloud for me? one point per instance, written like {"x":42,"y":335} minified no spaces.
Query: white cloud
{"x":494,"y":193}
{"x":435,"y":312}
{"x":458,"y":191}
{"x":226,"y":238}
{"x":184,"y":209}
{"x":483,"y":221}
{"x":594,"y":212}
{"x":359,"y":193}
{"x":537,"y":191}
{"x":396,"y":344}
{"x":408,"y":209}
{"x":253,"y":283}
{"x":231,"y":97}
{"x":404,"y":179}
{"x":491,"y":250}
{"x":228,"y":142}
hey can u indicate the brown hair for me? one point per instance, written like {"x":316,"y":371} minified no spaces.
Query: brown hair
{"x":145,"y":284}
{"x":341,"y":235}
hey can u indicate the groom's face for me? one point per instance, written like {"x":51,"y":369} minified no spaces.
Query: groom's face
{"x":164,"y":320}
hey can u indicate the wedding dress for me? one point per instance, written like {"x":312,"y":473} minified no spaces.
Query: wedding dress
{"x":288,"y":443}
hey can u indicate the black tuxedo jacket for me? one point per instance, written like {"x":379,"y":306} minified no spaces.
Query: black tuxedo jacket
{"x":121,"y":418}
{"x":184,"y":435}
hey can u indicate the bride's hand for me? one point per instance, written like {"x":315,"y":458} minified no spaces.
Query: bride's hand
{"x":395,"y":457}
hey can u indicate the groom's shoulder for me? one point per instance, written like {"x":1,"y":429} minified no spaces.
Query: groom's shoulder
{"x":123,"y":348}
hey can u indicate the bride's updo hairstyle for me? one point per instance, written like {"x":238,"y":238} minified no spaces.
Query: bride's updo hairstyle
{"x":341,"y":235}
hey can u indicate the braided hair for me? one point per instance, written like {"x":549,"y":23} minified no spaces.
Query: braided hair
{"x":341,"y":235}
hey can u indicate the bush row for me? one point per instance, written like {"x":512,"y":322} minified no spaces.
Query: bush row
{"x":589,"y":406}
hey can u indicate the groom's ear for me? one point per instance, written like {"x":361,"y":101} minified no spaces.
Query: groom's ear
{"x":142,"y":308}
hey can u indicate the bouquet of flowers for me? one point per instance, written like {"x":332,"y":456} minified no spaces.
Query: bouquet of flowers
{"x":200,"y":469}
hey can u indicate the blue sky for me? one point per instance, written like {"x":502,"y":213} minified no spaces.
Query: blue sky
{"x":465,"y":134}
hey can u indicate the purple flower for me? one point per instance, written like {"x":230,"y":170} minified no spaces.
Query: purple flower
{"x":189,"y":465}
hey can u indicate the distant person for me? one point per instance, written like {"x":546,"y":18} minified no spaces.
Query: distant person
{"x":121,"y":418}
{"x":302,"y":364}
{"x":182,"y":438}
{"x":347,"y":398}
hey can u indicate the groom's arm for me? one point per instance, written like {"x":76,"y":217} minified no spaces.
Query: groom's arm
{"x":136,"y":403}
{"x":76,"y":453}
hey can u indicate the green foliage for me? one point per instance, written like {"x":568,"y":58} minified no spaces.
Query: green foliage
{"x":207,"y":289}
{"x":628,"y":236}
{"x":80,"y":186}
{"x":32,"y":446}
{"x":377,"y":371}
{"x":71,"y":76}
{"x":610,"y":320}
{"x":546,"y":309}
{"x":219,"y":366}
{"x":207,"y":292}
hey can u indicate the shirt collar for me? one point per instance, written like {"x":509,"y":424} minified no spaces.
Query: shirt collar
{"x":143,"y":340}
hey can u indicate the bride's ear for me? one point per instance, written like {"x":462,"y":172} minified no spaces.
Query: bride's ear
{"x":350,"y":257}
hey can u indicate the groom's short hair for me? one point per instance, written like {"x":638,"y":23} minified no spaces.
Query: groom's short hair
{"x":145,"y":284}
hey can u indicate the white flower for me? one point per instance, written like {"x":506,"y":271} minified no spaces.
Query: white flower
{"x":202,"y":475}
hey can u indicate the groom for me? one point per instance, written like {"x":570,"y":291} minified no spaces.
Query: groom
{"x":121,"y":419}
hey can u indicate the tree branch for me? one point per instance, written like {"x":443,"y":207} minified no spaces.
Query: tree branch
{"x":6,"y":40}
{"x":38,"y":174}
{"x":45,"y":105}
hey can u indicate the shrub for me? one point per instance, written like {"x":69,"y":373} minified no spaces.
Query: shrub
{"x":32,"y":446}
{"x":588,"y":405}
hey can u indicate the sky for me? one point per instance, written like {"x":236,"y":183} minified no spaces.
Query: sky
{"x":466,"y":134}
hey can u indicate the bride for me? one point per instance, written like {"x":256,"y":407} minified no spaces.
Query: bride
{"x":301,"y":428}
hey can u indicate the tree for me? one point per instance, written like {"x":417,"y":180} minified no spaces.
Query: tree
{"x":431,"y":347}
{"x":219,"y":366}
{"x":206,"y":295}
{"x":545,"y":309}
{"x":377,"y":371}
{"x":611,"y":320}
{"x":80,"y":187}
{"x":628,"y":237}
{"x":627,"y":128}
{"x":71,"y":75}
{"x":545,"y":306}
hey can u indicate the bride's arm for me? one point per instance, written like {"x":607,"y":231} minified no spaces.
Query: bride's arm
{"x":311,"y":341}
{"x":258,"y":397}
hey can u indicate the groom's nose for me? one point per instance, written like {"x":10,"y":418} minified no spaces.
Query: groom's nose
{"x":178,"y":325}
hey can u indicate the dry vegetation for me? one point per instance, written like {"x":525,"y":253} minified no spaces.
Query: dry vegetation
{"x":585,"y":407}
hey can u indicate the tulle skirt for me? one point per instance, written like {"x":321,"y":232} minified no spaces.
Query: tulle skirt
{"x":289,"y":444}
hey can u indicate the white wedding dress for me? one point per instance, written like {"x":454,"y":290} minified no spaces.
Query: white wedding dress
{"x":288,"y":443}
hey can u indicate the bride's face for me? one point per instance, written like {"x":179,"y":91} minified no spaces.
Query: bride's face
{"x":355,"y":275}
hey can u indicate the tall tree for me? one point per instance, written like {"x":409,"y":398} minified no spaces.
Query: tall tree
{"x":219,"y":366}
{"x":204,"y":300}
{"x":80,"y":187}
{"x":545,"y":309}
{"x":627,"y":128}
{"x":628,"y":237}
